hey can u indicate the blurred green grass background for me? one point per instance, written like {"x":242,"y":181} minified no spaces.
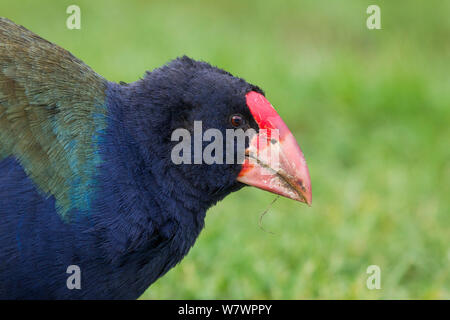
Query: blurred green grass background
{"x":370,"y":109}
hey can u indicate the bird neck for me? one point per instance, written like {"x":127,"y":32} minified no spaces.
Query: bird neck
{"x":144,"y":191}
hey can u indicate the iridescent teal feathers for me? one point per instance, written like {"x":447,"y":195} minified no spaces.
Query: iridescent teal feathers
{"x":51,"y":115}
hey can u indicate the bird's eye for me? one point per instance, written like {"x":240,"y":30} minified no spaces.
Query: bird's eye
{"x":237,"y":120}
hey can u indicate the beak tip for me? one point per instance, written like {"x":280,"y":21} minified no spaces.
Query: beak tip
{"x":306,"y":192}
{"x":308,"y":199}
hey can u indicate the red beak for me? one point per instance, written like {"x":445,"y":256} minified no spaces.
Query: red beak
{"x":274,"y":161}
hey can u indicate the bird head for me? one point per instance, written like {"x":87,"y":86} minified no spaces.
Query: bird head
{"x":199,"y":108}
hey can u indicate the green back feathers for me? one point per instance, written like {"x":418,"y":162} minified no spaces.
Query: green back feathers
{"x":51,"y":113}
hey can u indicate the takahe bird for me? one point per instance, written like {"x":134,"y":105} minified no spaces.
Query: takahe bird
{"x":86,"y":174}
